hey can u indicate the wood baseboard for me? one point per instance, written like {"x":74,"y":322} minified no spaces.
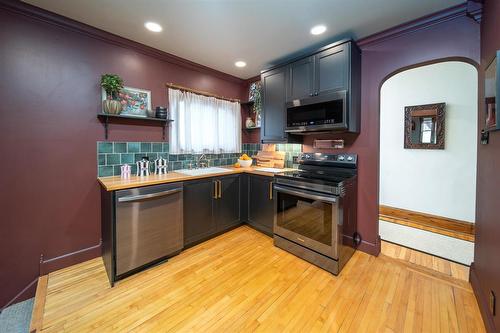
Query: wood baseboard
{"x":437,"y":224}
{"x":36,"y":324}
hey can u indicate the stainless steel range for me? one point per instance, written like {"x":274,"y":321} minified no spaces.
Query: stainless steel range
{"x":315,"y":212}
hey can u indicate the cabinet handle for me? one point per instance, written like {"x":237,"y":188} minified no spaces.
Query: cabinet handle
{"x":220,"y":189}
{"x":270,"y":190}
{"x":215,"y":189}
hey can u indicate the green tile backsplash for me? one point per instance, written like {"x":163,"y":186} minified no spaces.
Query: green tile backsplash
{"x":111,"y":155}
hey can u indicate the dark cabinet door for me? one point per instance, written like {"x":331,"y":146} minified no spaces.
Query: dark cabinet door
{"x":331,"y":70}
{"x":199,"y":223}
{"x":300,"y":79}
{"x":227,"y":204}
{"x":273,"y":105}
{"x":261,"y":203}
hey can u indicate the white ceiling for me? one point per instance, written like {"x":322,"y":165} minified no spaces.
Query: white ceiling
{"x":216,"y":33}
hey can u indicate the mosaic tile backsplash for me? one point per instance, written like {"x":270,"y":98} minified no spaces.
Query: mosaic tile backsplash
{"x":111,"y":155}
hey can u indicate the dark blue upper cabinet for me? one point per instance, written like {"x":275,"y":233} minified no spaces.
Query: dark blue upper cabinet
{"x":332,"y":70}
{"x":300,"y":79}
{"x":273,"y":105}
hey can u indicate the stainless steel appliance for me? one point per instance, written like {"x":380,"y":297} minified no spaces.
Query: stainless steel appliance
{"x":149,"y":226}
{"x":324,"y":113}
{"x":315,"y":212}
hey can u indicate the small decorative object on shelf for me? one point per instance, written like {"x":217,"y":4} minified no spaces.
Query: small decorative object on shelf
{"x":135,"y":102}
{"x":255,"y":96}
{"x":249,"y":123}
{"x":161,"y":112}
{"x":111,"y":85}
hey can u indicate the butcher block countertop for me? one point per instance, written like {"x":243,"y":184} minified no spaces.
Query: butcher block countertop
{"x":115,"y":183}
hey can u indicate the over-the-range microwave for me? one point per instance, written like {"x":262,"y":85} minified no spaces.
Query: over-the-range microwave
{"x":323,"y":113}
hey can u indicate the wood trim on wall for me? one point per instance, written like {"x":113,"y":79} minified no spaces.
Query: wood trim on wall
{"x":441,"y":225}
{"x":418,"y":24}
{"x":66,"y":23}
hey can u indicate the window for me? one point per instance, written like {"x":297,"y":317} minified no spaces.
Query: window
{"x":203,"y":124}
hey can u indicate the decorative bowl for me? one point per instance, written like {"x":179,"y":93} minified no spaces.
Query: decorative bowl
{"x":245,"y":163}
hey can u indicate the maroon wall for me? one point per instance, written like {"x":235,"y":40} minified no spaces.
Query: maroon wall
{"x":457,"y":37}
{"x":50,"y":200}
{"x":485,"y":274}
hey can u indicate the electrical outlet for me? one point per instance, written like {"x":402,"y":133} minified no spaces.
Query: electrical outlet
{"x":492,"y":302}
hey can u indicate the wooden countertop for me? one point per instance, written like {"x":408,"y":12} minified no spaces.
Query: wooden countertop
{"x":114,"y":183}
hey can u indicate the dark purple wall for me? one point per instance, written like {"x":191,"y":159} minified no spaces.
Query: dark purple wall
{"x":486,"y":269}
{"x":458,"y":37}
{"x":49,"y":198}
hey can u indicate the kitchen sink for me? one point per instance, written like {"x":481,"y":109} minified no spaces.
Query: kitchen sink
{"x":202,"y":171}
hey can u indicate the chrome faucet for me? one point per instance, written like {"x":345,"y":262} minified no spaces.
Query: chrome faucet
{"x":199,"y":164}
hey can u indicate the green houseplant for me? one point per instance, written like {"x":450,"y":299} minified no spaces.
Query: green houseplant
{"x":112,"y":84}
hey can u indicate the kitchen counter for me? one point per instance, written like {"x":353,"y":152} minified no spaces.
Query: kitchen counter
{"x":115,"y":183}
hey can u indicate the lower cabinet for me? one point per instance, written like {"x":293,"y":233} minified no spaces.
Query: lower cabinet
{"x":211,"y":205}
{"x":227,"y":204}
{"x":199,"y":223}
{"x":260,"y":203}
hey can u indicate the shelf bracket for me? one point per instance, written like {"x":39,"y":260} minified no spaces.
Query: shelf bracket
{"x":106,"y":129}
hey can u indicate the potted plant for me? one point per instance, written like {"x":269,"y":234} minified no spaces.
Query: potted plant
{"x":112,"y":84}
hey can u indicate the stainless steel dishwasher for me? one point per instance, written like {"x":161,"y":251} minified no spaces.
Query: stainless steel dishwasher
{"x":149,"y":226}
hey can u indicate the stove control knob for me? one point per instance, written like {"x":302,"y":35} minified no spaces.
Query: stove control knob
{"x":350,"y":158}
{"x":341,"y":157}
{"x":307,"y":156}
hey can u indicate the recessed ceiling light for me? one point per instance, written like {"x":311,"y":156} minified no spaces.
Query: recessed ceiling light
{"x":240,"y":64}
{"x":151,"y":26}
{"x":318,"y":29}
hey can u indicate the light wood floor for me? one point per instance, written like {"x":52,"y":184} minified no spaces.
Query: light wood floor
{"x":240,"y":282}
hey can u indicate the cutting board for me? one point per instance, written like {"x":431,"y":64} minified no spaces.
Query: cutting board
{"x":270,"y":158}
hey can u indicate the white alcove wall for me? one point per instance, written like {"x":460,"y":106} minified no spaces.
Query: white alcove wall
{"x":438,"y":182}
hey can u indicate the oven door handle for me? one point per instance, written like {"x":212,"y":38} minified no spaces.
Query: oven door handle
{"x":305,"y":194}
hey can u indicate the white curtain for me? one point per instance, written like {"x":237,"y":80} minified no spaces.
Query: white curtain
{"x":203,"y":124}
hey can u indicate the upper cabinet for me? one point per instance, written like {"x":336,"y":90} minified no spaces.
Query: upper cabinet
{"x":300,"y":80}
{"x":273,"y":105}
{"x":313,"y":81}
{"x":322,"y":73}
{"x":332,"y":70}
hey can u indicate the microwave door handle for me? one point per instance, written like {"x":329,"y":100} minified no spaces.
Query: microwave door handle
{"x":305,"y":195}
{"x":148,"y":196}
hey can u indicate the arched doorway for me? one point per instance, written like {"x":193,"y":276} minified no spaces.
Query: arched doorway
{"x":441,"y":183}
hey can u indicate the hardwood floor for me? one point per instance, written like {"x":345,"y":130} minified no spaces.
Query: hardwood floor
{"x":448,"y":268}
{"x":240,"y":282}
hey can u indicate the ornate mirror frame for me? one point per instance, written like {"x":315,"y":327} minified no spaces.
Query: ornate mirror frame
{"x":435,"y":110}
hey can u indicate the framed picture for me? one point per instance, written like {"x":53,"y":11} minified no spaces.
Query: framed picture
{"x":491,"y":92}
{"x":135,"y":102}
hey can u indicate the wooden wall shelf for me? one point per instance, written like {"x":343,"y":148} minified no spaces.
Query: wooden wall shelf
{"x":106,"y":118}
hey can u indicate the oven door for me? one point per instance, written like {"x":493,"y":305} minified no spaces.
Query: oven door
{"x":307,"y":218}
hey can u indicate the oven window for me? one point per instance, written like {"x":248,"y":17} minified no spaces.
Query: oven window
{"x":305,"y":217}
